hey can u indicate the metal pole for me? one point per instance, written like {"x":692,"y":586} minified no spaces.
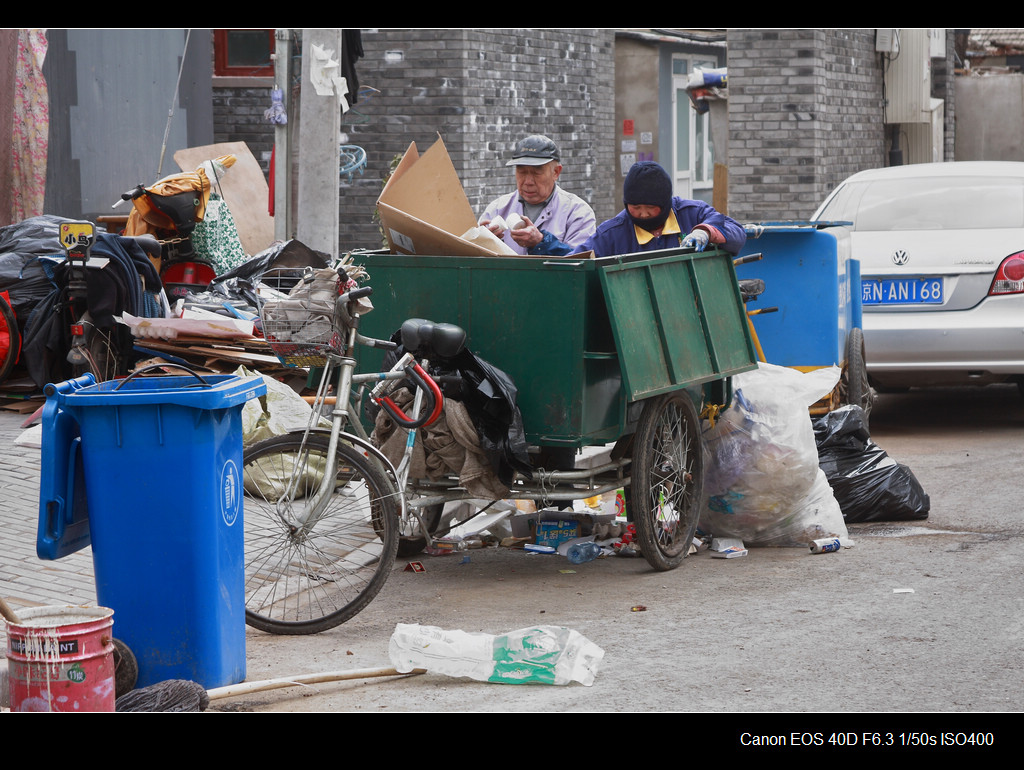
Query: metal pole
{"x":319,"y":130}
{"x":283,"y":226}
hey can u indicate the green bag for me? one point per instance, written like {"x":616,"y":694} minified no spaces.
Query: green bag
{"x":216,"y":240}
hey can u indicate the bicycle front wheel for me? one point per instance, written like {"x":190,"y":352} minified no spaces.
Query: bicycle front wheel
{"x":303,"y":578}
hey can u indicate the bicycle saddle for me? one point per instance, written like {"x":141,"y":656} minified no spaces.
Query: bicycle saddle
{"x":426,"y":338}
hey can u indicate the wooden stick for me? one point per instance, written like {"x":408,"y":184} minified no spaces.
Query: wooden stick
{"x":8,"y":613}
{"x":288,"y":681}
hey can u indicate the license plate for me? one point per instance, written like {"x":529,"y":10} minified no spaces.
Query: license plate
{"x":901,"y":291}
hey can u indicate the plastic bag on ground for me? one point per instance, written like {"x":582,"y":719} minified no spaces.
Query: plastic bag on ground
{"x":762,"y":480}
{"x":534,"y":655}
{"x":868,"y":484}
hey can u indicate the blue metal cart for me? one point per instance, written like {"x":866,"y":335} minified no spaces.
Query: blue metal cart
{"x":811,"y":278}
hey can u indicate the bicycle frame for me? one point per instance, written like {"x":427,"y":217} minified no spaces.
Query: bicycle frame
{"x":341,"y":369}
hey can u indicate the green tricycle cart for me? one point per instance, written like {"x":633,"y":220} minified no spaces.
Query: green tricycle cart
{"x":628,"y":352}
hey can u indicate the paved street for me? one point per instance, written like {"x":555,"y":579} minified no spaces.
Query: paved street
{"x":25,"y":579}
{"x":918,"y":617}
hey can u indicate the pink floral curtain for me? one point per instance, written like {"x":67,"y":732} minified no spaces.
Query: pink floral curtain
{"x":31,"y":126}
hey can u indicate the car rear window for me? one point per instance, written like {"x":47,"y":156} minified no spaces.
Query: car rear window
{"x":929,"y":203}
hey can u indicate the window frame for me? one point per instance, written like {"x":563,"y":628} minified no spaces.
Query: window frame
{"x":221,"y":68}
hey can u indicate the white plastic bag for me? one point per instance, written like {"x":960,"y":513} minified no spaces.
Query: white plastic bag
{"x":535,"y":655}
{"x":762,"y":480}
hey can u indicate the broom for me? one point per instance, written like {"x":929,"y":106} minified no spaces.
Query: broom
{"x":180,"y":695}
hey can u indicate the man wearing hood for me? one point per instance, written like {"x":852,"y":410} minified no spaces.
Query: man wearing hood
{"x":654,"y":219}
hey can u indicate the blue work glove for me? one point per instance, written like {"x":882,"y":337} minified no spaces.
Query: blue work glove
{"x":697,"y":240}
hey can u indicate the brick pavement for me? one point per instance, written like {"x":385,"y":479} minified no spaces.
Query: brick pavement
{"x":25,"y":579}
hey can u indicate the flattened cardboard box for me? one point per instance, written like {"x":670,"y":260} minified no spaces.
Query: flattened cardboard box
{"x":424,"y":209}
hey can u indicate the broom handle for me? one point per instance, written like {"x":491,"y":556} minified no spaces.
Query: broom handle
{"x":288,"y":681}
{"x":8,"y":613}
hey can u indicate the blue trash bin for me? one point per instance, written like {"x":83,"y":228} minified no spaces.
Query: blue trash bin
{"x":161,"y":460}
{"x":811,"y":277}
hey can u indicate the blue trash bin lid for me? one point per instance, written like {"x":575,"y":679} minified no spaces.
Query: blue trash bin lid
{"x":221,"y":391}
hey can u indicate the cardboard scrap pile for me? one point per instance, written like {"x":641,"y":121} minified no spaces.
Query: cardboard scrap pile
{"x":423,"y":209}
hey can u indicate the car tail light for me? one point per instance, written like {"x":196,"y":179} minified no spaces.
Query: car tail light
{"x":1010,"y":276}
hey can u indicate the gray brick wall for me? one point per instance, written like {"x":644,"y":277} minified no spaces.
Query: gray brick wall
{"x":238,"y":117}
{"x":944,"y":87}
{"x":805,"y":111}
{"x":480,"y":90}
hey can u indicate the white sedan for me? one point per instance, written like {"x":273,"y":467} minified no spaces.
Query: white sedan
{"x":941,"y":249}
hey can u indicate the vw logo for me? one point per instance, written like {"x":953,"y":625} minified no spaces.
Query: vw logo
{"x":900,"y":257}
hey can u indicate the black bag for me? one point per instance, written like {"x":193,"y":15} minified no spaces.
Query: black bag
{"x":866,"y":482}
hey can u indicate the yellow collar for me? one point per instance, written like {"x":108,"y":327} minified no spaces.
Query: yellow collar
{"x":671,"y":227}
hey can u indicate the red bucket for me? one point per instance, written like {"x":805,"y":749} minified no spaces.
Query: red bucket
{"x":61,"y":659}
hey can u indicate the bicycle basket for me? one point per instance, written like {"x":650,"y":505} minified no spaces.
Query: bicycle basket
{"x":297,"y":314}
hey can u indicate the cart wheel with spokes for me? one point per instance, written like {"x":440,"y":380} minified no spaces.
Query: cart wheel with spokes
{"x":667,"y":479}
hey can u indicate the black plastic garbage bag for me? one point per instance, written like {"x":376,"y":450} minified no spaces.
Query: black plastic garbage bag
{"x":867,"y":483}
{"x":280,"y":255}
{"x":22,"y":273}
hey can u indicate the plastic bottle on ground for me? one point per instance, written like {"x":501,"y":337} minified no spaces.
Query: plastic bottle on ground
{"x":581,"y":552}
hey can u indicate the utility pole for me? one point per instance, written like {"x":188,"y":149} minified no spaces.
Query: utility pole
{"x":319,"y":132}
{"x":284,"y":225}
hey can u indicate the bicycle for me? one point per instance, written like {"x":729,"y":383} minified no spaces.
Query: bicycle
{"x":323,"y":506}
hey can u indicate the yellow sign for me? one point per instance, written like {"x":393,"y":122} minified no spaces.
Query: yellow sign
{"x":77,"y":236}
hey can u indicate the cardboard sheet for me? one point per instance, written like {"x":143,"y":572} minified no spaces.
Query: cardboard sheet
{"x":424,"y":209}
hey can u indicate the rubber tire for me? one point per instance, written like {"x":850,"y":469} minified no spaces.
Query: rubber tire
{"x":106,"y":363}
{"x":856,"y":388}
{"x":411,"y":545}
{"x":328,"y":576}
{"x":9,"y":357}
{"x":126,"y":668}
{"x":668,"y":466}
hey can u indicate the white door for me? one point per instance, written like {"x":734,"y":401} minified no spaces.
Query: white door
{"x":693,"y":165}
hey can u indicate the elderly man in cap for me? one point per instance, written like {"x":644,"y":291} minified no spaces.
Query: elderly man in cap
{"x":539,"y":217}
{"x":655,"y":219}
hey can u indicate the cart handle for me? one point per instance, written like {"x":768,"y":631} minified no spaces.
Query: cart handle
{"x":424,"y":382}
{"x":747,"y":258}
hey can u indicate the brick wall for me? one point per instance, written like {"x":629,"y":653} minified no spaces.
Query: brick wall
{"x":480,"y":90}
{"x":238,"y":117}
{"x":805,"y":111}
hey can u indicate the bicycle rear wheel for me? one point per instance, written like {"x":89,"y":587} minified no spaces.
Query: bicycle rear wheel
{"x":303,"y":580}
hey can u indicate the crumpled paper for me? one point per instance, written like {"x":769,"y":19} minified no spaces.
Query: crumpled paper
{"x":325,"y":74}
